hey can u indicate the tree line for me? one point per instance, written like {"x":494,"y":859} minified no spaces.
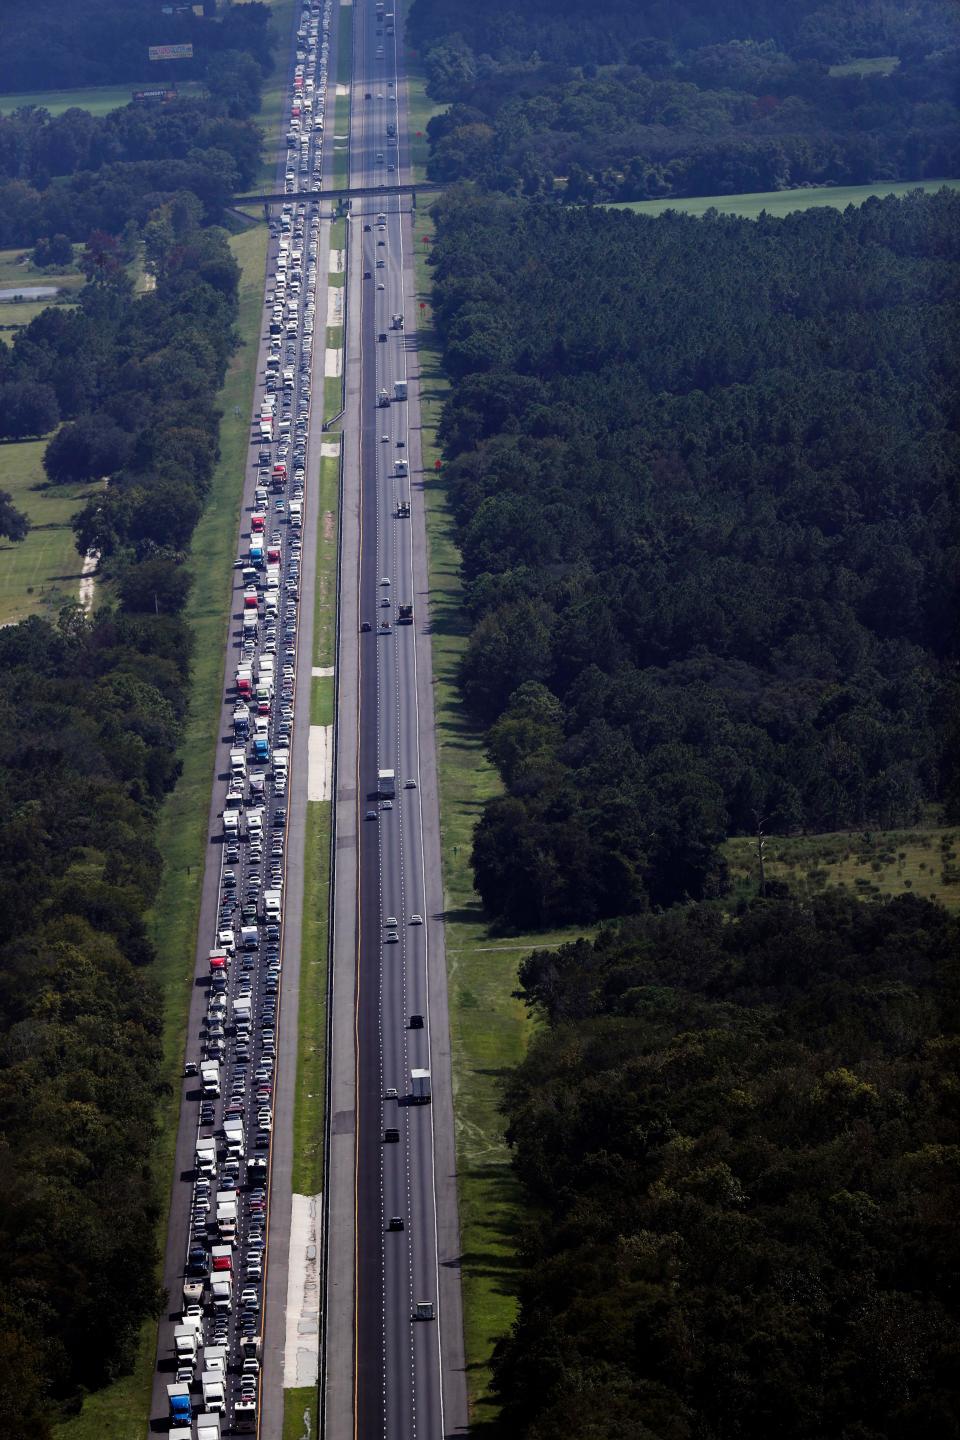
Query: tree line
{"x":52,"y":46}
{"x":738,"y":1143}
{"x":701,"y":477}
{"x":621,"y":107}
{"x":92,"y":718}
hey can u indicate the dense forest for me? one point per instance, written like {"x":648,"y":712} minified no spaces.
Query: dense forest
{"x":94,"y":707}
{"x":703,"y":475}
{"x":92,"y":721}
{"x":75,"y":172}
{"x":616,"y":101}
{"x":739,"y":1144}
{"x":49,"y":45}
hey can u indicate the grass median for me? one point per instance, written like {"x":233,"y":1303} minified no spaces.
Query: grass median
{"x":119,"y":1412}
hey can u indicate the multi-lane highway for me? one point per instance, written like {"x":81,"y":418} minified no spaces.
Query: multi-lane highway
{"x":406,"y":1365}
{"x":210,"y":1374}
{"x":393,"y":1362}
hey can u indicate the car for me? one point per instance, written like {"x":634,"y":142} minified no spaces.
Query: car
{"x":391,"y":1136}
{"x":391,"y":938}
{"x":371,"y":815}
{"x":368,"y":275}
{"x":396,"y":1222}
{"x":390,"y":1093}
{"x":409,"y":784}
{"x":381,"y":286}
{"x":384,"y":439}
{"x":191,"y":1068}
{"x":387,"y":805}
{"x":416,"y":919}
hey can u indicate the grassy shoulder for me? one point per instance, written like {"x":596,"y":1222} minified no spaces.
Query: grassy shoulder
{"x":119,"y":1412}
{"x":874,"y":864}
{"x":782,"y":202}
{"x":875,"y":65}
{"x":489,"y":1029}
{"x":420,"y":111}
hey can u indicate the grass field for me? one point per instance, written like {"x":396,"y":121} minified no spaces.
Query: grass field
{"x":489,"y":1029}
{"x":873,"y":864}
{"x":782,"y":202}
{"x":42,"y":572}
{"x":16,"y":268}
{"x":98,"y":99}
{"x":120,"y":1411}
{"x":878,"y":65}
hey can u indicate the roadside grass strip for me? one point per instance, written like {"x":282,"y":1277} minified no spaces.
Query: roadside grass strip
{"x":782,"y":202}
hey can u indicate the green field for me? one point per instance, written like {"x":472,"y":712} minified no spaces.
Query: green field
{"x":878,"y":65}
{"x":782,"y":202}
{"x":16,"y":268}
{"x":120,"y":1411}
{"x":42,"y":572}
{"x":98,"y":99}
{"x":874,"y":864}
{"x":489,"y":1029}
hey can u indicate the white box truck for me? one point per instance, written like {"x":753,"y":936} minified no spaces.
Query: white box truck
{"x":210,"y":1078}
{"x":206,"y":1156}
{"x":214,"y":1391}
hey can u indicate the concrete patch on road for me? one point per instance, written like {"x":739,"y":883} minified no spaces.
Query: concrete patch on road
{"x":320,"y":672}
{"x":334,"y":364}
{"x":335,"y":305}
{"x":330,"y":448}
{"x":343,"y":89}
{"x":336,"y":263}
{"x":301,"y":1354}
{"x":320,"y":763}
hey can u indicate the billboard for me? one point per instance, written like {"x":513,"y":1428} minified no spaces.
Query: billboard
{"x":170,"y":52}
{"x":141,"y":96}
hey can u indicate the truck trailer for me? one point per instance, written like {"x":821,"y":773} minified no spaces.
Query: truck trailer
{"x":420,"y":1087}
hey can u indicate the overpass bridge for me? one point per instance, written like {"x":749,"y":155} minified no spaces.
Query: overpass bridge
{"x":356,"y":192}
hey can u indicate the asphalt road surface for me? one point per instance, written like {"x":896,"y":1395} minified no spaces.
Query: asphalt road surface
{"x":408,"y":1375}
{"x":257,"y":1060}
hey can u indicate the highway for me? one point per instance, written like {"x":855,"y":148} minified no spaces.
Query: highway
{"x":407,"y":1361}
{"x":243,"y":1007}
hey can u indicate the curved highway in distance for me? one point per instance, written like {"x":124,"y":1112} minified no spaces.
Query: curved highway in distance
{"x":408,"y":1379}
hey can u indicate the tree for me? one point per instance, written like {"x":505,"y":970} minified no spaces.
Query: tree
{"x":27,"y":408}
{"x":57,"y":250}
{"x":234,"y":81}
{"x":155,"y":586}
{"x":13,"y":522}
{"x":86,"y":449}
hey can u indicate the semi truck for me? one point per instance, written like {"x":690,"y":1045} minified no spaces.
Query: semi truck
{"x":272,"y":904}
{"x":206,"y":1157}
{"x":214,"y":1391}
{"x":180,"y":1405}
{"x":404,"y":614}
{"x":233,"y":1134}
{"x":420,"y":1087}
{"x":227,"y":1215}
{"x":386,"y":784}
{"x":403,"y":509}
{"x":399,"y":389}
{"x":396,"y":322}
{"x":249,"y":937}
{"x":186,"y":1340}
{"x":210,"y":1077}
{"x":383,"y":399}
{"x":231,"y":824}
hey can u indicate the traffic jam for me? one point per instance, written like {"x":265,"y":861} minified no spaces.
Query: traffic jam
{"x":218,"y":1344}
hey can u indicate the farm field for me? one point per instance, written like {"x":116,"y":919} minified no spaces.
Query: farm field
{"x":874,"y":864}
{"x":781,"y":202}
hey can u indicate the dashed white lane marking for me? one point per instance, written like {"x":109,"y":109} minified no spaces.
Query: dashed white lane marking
{"x":334,"y":362}
{"x":320,"y":763}
{"x":321,"y":672}
{"x":301,"y":1354}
